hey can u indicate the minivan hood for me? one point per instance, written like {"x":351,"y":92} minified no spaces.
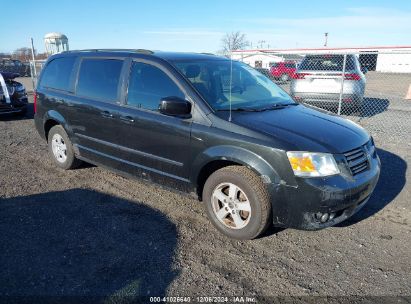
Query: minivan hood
{"x":301,"y":128}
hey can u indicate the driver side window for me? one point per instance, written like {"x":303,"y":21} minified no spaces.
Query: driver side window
{"x":148,"y":85}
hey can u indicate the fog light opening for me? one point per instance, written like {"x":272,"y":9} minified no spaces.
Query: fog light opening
{"x":324,"y":217}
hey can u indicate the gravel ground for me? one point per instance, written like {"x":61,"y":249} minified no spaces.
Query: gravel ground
{"x":90,"y":232}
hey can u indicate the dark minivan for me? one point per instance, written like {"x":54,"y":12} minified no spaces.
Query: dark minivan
{"x":209,"y":126}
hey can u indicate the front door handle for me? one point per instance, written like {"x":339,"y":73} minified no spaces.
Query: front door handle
{"x":127,"y":118}
{"x":107,"y":114}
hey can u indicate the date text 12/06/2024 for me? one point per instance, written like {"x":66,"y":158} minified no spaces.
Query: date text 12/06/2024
{"x":206,"y":299}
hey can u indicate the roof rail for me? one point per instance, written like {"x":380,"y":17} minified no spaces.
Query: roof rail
{"x":142,"y":51}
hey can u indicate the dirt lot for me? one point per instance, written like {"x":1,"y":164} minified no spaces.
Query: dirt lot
{"x":90,"y":232}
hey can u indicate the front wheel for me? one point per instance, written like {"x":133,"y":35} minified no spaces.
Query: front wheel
{"x":237,"y":202}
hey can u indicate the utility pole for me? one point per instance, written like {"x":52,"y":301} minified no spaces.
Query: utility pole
{"x":32,"y":50}
{"x":33,"y":65}
{"x":326,"y":39}
{"x":260,"y":42}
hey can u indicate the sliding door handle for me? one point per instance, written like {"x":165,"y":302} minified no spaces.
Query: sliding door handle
{"x":127,"y":118}
{"x":107,"y":114}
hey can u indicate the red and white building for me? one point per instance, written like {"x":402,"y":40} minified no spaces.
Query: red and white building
{"x":388,"y":59}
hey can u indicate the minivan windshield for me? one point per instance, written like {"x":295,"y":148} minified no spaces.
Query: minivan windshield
{"x":219,"y":80}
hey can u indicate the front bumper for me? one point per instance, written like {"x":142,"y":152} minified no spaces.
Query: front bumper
{"x":18,"y":104}
{"x":11,"y":108}
{"x":340,"y":196}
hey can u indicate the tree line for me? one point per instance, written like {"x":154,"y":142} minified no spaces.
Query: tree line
{"x":23,"y":54}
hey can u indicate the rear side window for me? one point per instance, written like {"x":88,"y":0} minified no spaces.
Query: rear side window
{"x":57,"y":74}
{"x":99,"y":79}
{"x":148,"y":85}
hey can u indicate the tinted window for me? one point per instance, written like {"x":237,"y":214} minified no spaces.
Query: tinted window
{"x":57,"y":73}
{"x":290,"y":65}
{"x":327,"y":63}
{"x":148,"y":85}
{"x":99,"y":78}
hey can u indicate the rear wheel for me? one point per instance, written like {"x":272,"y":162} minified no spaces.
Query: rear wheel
{"x":355,"y":108}
{"x":237,"y":202}
{"x":61,"y":149}
{"x":359,"y":104}
{"x":285,"y":77}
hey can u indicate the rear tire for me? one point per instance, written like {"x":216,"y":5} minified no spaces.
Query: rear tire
{"x":237,"y":202}
{"x":359,"y":104}
{"x":285,"y":77}
{"x":353,"y":109}
{"x":61,"y":149}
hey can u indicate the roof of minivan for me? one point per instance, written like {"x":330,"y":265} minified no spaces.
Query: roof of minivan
{"x":172,"y":56}
{"x":187,"y":56}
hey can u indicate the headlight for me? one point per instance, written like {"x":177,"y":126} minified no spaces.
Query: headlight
{"x":309,"y":164}
{"x":20,"y":88}
{"x":11,"y":90}
{"x":370,"y":146}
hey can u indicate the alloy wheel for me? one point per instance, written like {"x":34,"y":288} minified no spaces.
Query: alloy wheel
{"x":59,"y":148}
{"x":231,"y":206}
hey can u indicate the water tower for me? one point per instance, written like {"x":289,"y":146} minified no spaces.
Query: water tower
{"x":55,"y":43}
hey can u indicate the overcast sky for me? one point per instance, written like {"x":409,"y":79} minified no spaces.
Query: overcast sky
{"x":198,"y":25}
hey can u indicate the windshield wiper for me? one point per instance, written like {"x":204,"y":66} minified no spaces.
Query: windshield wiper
{"x":272,"y":107}
{"x":278,"y":106}
{"x":241,"y":110}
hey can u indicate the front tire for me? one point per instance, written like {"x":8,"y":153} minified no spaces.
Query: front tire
{"x":237,"y":202}
{"x":61,"y":149}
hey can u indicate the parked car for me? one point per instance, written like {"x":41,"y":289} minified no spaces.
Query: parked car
{"x":319,"y":79}
{"x":15,"y":66}
{"x":208,"y":126}
{"x":13,"y":96}
{"x":283,"y":71}
{"x":264,"y":71}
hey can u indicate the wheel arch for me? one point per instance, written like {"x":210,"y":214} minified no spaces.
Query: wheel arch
{"x":219,"y":157}
{"x":53,"y":118}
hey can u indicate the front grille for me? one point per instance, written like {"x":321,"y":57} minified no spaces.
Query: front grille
{"x":357,"y":160}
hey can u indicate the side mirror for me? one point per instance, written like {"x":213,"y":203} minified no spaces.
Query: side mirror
{"x":175,"y":106}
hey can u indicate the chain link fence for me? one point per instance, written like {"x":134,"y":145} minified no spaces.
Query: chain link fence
{"x":370,"y":88}
{"x":35,"y":69}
